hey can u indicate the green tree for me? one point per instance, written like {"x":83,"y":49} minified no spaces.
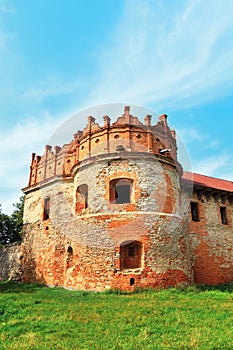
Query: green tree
{"x":6,"y":229}
{"x":11,"y":226}
{"x":17,"y":217}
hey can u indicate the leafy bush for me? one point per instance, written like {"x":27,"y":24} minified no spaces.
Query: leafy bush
{"x":11,"y":225}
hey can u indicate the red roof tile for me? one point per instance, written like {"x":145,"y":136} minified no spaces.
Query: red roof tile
{"x":208,"y":181}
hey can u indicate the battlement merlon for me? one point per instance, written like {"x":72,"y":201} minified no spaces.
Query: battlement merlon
{"x":128,"y":131}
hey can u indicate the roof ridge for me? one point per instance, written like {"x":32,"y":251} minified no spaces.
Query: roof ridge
{"x":210,"y":177}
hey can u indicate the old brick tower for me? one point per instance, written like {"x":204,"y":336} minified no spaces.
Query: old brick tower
{"x":113,"y":209}
{"x":109,"y":210}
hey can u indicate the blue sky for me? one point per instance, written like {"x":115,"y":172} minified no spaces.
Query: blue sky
{"x":58,"y":57}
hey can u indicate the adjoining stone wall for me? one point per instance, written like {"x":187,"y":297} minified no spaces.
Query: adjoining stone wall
{"x":11,"y":262}
{"x":211,"y":240}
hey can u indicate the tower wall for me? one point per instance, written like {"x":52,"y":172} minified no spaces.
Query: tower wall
{"x":211,"y":239}
{"x":83,"y":249}
{"x":79,"y":230}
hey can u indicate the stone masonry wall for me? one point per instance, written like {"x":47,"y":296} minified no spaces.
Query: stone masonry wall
{"x":212,"y":241}
{"x":11,"y":262}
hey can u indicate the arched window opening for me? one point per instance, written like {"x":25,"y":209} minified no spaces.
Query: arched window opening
{"x":194,"y":211}
{"x":81,"y":198}
{"x":121,"y":191}
{"x":131,"y":255}
{"x":46,"y":208}
{"x":131,"y":281}
{"x":223,"y":213}
{"x":70,"y":251}
{"x":69,"y":260}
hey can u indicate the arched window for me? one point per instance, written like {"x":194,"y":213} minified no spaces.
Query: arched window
{"x":69,"y":260}
{"x":46,"y":208}
{"x":223,"y":214}
{"x":194,"y":211}
{"x":81,"y":198}
{"x":121,"y":191}
{"x":131,"y":255}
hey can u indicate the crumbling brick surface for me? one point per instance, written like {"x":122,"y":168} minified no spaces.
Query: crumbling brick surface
{"x":90,"y":240}
{"x":96,"y":233}
{"x":212,"y":242}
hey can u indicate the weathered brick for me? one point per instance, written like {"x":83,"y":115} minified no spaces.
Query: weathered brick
{"x":101,"y":244}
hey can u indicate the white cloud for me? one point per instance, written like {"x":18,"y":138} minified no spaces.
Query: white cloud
{"x":217,"y":165}
{"x":49,"y":87}
{"x":15,"y":152}
{"x":169,"y":53}
{"x":191,"y":134}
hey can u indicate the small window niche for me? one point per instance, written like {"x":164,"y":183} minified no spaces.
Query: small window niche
{"x":81,"y":198}
{"x":121,"y":191}
{"x":46,"y":208}
{"x":223,"y":214}
{"x":131,"y":255}
{"x":194,"y":211}
{"x":70,"y":256}
{"x":131,"y":281}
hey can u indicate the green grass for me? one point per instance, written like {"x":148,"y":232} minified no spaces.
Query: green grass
{"x":35,"y":317}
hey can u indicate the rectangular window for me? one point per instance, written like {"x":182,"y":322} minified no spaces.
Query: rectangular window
{"x":122,"y":194}
{"x":81,"y":198}
{"x":130,"y":255}
{"x":223,"y":213}
{"x":120,"y":191}
{"x":46,"y":208}
{"x":194,"y":211}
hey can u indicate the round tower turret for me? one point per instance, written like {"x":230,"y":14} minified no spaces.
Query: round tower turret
{"x":115,"y":208}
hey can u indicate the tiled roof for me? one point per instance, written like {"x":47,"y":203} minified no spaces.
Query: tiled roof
{"x":207,"y":181}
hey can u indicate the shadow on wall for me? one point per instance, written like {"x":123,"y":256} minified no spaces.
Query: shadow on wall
{"x":11,"y":262}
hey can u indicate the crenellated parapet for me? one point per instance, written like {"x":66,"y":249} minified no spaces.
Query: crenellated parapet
{"x":127,"y":134}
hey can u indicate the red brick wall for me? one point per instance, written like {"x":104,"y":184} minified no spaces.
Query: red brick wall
{"x":211,"y":242}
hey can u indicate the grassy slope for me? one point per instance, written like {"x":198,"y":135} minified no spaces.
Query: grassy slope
{"x":33,"y":317}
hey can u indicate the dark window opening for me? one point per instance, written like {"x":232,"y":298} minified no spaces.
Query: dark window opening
{"x":223,"y":212}
{"x":131,"y":255}
{"x":70,"y":251}
{"x":131,"y":281}
{"x":69,"y":260}
{"x":194,"y":211}
{"x":46,"y":208}
{"x":81,"y":197}
{"x":131,"y":251}
{"x":121,"y":191}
